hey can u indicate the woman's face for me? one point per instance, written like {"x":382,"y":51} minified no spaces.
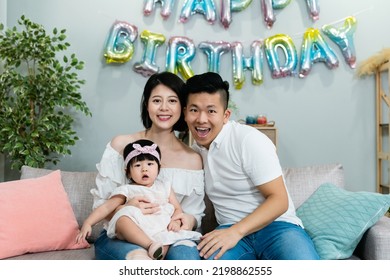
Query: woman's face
{"x":164,"y":107}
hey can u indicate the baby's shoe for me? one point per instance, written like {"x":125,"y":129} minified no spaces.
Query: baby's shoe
{"x":138,"y":254}
{"x":155,"y":250}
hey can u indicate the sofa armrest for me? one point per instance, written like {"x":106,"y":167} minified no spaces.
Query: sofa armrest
{"x":375,"y":244}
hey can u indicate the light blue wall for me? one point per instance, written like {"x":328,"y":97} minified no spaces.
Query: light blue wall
{"x":327,"y":117}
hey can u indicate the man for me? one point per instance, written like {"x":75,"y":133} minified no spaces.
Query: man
{"x":244,"y":181}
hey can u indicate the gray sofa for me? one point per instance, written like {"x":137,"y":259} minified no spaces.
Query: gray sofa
{"x":301,"y":183}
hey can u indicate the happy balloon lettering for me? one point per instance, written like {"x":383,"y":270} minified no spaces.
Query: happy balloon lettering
{"x":279,"y":50}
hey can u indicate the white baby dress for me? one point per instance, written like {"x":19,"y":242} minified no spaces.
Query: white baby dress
{"x":154,"y":225}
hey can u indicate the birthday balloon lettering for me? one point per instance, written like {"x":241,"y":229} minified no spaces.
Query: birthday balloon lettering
{"x":279,"y":49}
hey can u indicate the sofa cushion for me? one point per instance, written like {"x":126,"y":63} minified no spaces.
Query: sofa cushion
{"x":82,"y":254}
{"x":36,"y":216}
{"x":301,"y":182}
{"x":336,"y":219}
{"x":77,"y":185}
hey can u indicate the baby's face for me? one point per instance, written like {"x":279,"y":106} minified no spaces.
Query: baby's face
{"x":144,"y":172}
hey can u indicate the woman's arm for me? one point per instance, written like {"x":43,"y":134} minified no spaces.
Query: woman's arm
{"x":175,"y":224}
{"x":193,"y":204}
{"x":110,"y":175}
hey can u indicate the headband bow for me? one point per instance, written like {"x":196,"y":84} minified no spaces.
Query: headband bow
{"x":138,"y":149}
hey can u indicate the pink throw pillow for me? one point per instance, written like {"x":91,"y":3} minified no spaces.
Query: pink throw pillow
{"x":36,"y":216}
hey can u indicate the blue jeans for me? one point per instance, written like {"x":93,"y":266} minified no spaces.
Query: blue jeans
{"x":277,"y":241}
{"x":115,"y":249}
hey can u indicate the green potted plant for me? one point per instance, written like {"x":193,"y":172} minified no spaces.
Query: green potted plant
{"x":39,"y":95}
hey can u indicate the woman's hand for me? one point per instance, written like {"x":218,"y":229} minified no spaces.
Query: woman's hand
{"x":187,"y":221}
{"x":223,"y":239}
{"x":143,"y":204}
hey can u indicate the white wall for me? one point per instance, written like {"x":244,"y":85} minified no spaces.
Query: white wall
{"x":325,"y":118}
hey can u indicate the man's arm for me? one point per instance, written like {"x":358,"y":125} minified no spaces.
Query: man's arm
{"x":275,"y":204}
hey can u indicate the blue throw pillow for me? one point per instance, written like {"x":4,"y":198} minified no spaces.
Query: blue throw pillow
{"x":336,"y":219}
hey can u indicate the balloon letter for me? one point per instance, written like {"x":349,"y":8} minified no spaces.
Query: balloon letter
{"x":315,"y":49}
{"x":343,"y":37}
{"x":180,"y":52}
{"x":229,"y":6}
{"x":119,"y":45}
{"x":205,"y":7}
{"x":151,"y":41}
{"x":314,"y":9}
{"x":268,"y":7}
{"x":285,"y":43}
{"x":214,"y":51}
{"x":253,"y":63}
{"x":166,"y":7}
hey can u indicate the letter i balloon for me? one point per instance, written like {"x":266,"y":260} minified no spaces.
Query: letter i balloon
{"x":151,"y":41}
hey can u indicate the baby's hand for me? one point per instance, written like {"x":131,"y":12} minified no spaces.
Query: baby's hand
{"x":174,"y":225}
{"x":84,"y":233}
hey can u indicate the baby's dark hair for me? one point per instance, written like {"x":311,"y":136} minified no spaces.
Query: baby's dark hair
{"x":142,"y":156}
{"x":209,"y":82}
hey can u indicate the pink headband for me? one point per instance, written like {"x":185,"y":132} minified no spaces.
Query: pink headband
{"x":138,"y":149}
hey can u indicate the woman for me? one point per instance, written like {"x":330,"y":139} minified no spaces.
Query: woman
{"x":162,"y":115}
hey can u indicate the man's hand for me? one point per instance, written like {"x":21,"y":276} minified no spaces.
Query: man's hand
{"x":223,"y":239}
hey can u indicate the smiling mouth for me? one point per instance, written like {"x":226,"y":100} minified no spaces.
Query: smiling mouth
{"x":202,"y":132}
{"x":164,"y":118}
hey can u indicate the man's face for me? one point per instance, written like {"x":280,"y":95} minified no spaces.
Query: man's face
{"x":205,"y":116}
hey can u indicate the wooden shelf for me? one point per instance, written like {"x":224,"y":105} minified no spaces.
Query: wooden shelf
{"x":382,"y":127}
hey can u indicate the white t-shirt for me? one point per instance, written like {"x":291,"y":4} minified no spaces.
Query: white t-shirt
{"x":239,"y":159}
